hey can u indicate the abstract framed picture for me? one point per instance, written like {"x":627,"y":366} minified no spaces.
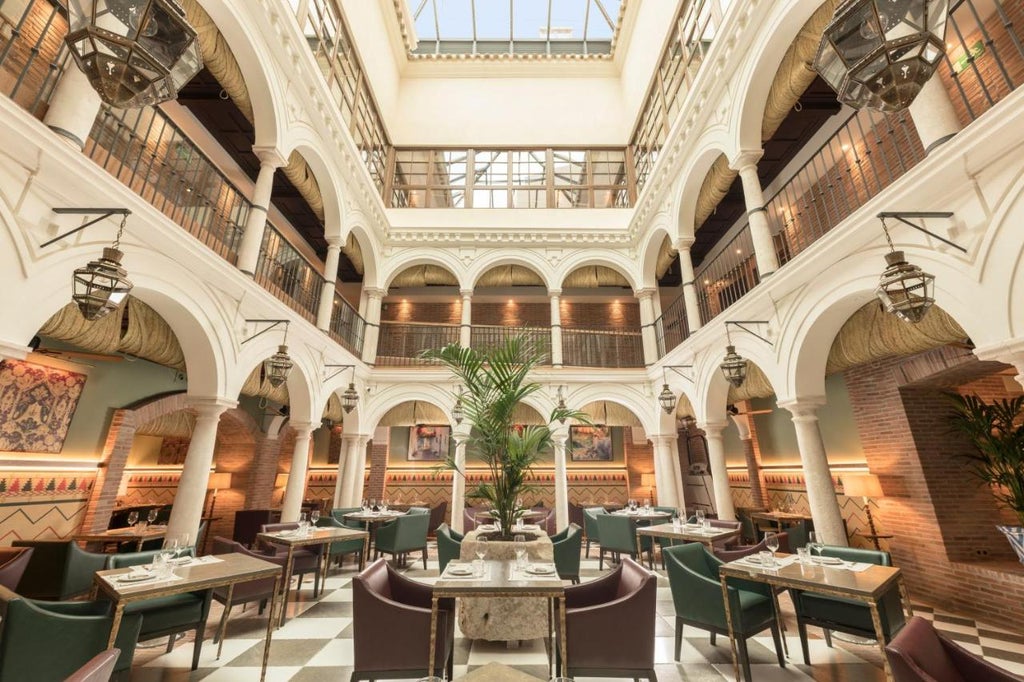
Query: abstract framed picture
{"x":429,"y":443}
{"x":591,"y":443}
{"x":36,"y":406}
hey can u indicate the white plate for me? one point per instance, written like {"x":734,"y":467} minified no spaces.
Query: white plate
{"x":460,"y":570}
{"x":828,"y":560}
{"x":541,"y":569}
{"x":135,"y":577}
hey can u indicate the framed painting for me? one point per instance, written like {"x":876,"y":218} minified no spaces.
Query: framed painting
{"x":36,"y":406}
{"x":429,"y":443}
{"x":591,"y":444}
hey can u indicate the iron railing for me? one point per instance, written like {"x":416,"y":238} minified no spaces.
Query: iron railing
{"x":32,"y":52}
{"x":489,"y":336}
{"x":672,"y":327}
{"x":727,"y":277}
{"x":601,"y":348}
{"x":400,"y":344}
{"x":150,"y":155}
{"x":347,"y":327}
{"x":285,"y":272}
{"x":984,"y":54}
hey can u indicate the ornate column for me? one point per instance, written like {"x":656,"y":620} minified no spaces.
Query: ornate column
{"x":821,"y":492}
{"x":677,"y":472}
{"x":664,"y":472}
{"x":355,"y":468}
{"x":555,"y":295}
{"x":466,"y":330}
{"x":719,"y":472}
{"x":256,"y":223}
{"x":752,"y":453}
{"x":73,"y":107}
{"x":458,"y":482}
{"x":650,"y":339}
{"x":344,"y":462}
{"x":933,"y":114}
{"x":296,"y":487}
{"x":190,"y":498}
{"x":760,"y":233}
{"x":559,"y":439}
{"x":690,"y":300}
{"x":374,"y":297}
{"x":326,"y":309}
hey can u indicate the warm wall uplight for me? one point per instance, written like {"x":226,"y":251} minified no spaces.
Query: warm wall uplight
{"x":281,"y":481}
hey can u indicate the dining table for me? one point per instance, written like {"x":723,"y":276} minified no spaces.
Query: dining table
{"x":137,"y":534}
{"x":199,"y":574}
{"x":502,"y":579}
{"x":862,"y":582}
{"x":780,"y":519}
{"x":686,"y":533}
{"x":311,"y":537}
{"x":370,"y":521}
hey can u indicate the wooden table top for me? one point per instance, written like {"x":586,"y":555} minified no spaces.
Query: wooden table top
{"x":374,"y":517}
{"x":231,"y":568}
{"x":641,"y":514}
{"x":780,"y":516}
{"x":500,"y":579}
{"x":125,"y":534}
{"x":689,"y":534}
{"x":870,"y":583}
{"x":315,"y":536}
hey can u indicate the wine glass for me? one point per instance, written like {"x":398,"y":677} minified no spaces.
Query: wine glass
{"x":314,"y":516}
{"x":700,"y":516}
{"x":647,"y":506}
{"x":771,"y":541}
{"x":520,"y":549}
{"x":813,"y":543}
{"x":151,"y":516}
{"x":133,"y":518}
{"x":676,"y":521}
{"x":365,"y":505}
{"x":481,"y":548}
{"x":373,"y":504}
{"x":182,"y":545}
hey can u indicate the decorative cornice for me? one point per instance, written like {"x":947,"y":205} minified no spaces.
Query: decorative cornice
{"x":463,"y":237}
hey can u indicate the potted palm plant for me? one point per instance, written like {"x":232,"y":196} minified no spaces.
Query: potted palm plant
{"x":495,"y":381}
{"x":996,"y":431}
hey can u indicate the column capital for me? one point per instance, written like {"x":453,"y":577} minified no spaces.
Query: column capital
{"x":804,"y":408}
{"x":358,"y":438}
{"x":1010,"y":351}
{"x":302,"y":429}
{"x":746,"y":159}
{"x":662,"y":439}
{"x":683,"y":244}
{"x":334,"y":243}
{"x":712,"y":428}
{"x":554,"y":292}
{"x":466,"y":293}
{"x":270,"y":156}
{"x":645,"y":293}
{"x":211,"y":408}
{"x":742,"y":422}
{"x":13,"y":351}
{"x":375,"y":292}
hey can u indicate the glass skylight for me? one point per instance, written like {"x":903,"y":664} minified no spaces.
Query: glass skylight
{"x":540,"y":27}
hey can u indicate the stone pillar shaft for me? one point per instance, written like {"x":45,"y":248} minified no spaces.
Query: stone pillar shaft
{"x":760,"y":232}
{"x":719,"y":473}
{"x":664,"y":472}
{"x":324,"y":312}
{"x":73,"y":107}
{"x":296,"y":488}
{"x":256,"y":222}
{"x":933,"y":114}
{"x":556,"y":328}
{"x":374,"y":297}
{"x":466,"y":328}
{"x":190,"y":498}
{"x":690,"y":300}
{"x":561,"y":483}
{"x":649,"y":337}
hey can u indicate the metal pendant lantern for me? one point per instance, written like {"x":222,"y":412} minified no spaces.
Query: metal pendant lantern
{"x":136,"y":53}
{"x":101,"y":287}
{"x":734,"y":366}
{"x":349,"y":398}
{"x":458,"y":413}
{"x":277,"y":367}
{"x":880,"y":53}
{"x":905,"y":290}
{"x":667,"y":399}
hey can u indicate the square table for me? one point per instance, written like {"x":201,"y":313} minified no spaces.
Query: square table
{"x":230,"y":570}
{"x":686,"y":534}
{"x":780,"y":519}
{"x":865,"y":586}
{"x":126,"y":534}
{"x":501,"y":579}
{"x":370,"y":520}
{"x":314,"y":536}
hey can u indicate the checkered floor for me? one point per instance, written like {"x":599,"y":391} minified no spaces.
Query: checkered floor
{"x":316,"y":644}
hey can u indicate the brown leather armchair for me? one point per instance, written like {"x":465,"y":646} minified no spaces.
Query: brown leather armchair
{"x":98,"y":669}
{"x":391,"y":622}
{"x":610,"y":624}
{"x":261,"y":590}
{"x":920,"y":654}
{"x":13,"y":562}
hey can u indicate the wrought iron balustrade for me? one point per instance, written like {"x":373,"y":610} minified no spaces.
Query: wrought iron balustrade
{"x":489,"y":336}
{"x":284,"y":272}
{"x":602,"y":348}
{"x":401,"y":344}
{"x":672,"y":328}
{"x":347,"y":327}
{"x":32,"y":52}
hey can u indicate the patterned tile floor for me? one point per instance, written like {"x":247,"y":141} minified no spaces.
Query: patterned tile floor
{"x":316,"y":644}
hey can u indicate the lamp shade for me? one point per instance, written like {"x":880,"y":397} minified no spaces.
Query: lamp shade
{"x":862,"y":485}
{"x":281,"y":481}
{"x":219,"y":481}
{"x":646,"y":480}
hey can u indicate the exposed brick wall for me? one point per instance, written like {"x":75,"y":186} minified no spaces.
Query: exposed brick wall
{"x":639,"y":461}
{"x":262,"y":472}
{"x":624,"y":315}
{"x":515,"y":314}
{"x":108,"y":478}
{"x":433,"y":312}
{"x":378,"y":454}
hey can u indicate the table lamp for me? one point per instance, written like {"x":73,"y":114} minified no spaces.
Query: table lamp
{"x":647,"y":481}
{"x":217,"y":481}
{"x":864,"y":486}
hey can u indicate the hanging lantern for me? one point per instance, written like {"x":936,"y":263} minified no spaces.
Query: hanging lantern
{"x":667,"y":399}
{"x":457,"y":411}
{"x":905,"y":290}
{"x":277,"y":367}
{"x":561,"y":405}
{"x":880,"y":53}
{"x":101,"y":286}
{"x":136,"y":53}
{"x":734,"y":367}
{"x":349,"y":398}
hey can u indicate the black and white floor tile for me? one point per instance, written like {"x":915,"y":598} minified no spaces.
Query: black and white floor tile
{"x":316,"y":645}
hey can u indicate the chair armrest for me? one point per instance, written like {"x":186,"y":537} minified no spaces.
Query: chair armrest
{"x":592,"y":592}
{"x":597,"y":631}
{"x":973,"y":667}
{"x":414,"y":593}
{"x":81,"y":567}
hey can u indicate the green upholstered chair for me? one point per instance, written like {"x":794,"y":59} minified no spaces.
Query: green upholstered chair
{"x":664,"y":542}
{"x":58,"y":569}
{"x":340,"y":512}
{"x":618,"y":536}
{"x":847,"y":615}
{"x":566,"y":546}
{"x":407,"y":533}
{"x":341,"y":549}
{"x":697,"y":596}
{"x":449,"y":545}
{"x":418,"y":510}
{"x":665,"y":510}
{"x":590,"y":528}
{"x":799,"y":533}
{"x":167,"y":616}
{"x":51,"y":640}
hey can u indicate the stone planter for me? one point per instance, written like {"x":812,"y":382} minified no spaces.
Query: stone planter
{"x":1015,"y":534}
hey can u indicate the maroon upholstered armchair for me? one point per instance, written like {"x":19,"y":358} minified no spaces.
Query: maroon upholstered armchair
{"x":920,"y":654}
{"x":99,"y":668}
{"x":304,"y":561}
{"x":261,"y":590}
{"x":610,"y":624}
{"x":13,"y":561}
{"x":741,"y":551}
{"x":391,"y":622}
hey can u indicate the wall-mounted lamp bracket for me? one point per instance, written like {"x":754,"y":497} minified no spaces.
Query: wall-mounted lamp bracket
{"x":340,"y":369}
{"x":102,"y":213}
{"x":904,"y":216}
{"x":273,"y":325}
{"x":743,"y":324}
{"x":676,"y":368}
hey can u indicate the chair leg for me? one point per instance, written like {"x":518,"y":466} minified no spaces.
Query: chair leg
{"x":778,"y":644}
{"x":652,"y":676}
{"x":263,"y":607}
{"x":424,"y":558}
{"x":197,"y":648}
{"x":600,"y":560}
{"x":802,"y":630}
{"x":588,"y":549}
{"x":170,"y":642}
{"x":828,"y":637}
{"x":679,"y":636}
{"x":219,"y":635}
{"x":713,"y":637}
{"x":741,"y":646}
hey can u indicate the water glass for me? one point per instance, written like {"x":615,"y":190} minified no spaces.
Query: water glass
{"x":771,"y":541}
{"x":700,"y":516}
{"x":647,"y":506}
{"x":478,"y":567}
{"x":314,"y":516}
{"x":520,"y":549}
{"x":767,"y":558}
{"x":676,"y":520}
{"x":705,"y":525}
{"x":161,"y":564}
{"x":151,"y":516}
{"x":481,"y":548}
{"x":133,"y":518}
{"x":519,"y":523}
{"x":813,"y":543}
{"x":365,"y":505}
{"x":804,"y":555}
